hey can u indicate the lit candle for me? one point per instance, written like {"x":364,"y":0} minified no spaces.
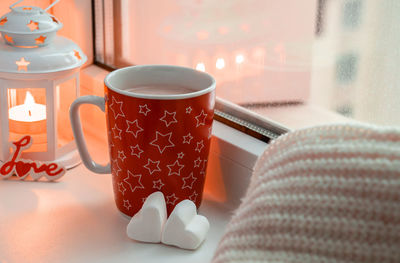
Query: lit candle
{"x":28,"y":118}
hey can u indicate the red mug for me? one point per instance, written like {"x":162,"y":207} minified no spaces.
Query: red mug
{"x":158,"y":140}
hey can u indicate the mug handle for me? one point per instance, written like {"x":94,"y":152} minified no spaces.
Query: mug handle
{"x":78,"y":134}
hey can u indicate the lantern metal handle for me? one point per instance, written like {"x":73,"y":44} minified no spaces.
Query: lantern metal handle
{"x":50,"y":6}
{"x":77,"y":130}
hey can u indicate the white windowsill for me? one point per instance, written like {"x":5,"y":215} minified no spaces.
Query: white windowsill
{"x":302,"y":115}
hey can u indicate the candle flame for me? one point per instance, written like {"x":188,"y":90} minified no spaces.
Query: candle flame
{"x":29,"y":100}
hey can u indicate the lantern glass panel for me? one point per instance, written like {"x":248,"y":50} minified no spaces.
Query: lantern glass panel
{"x":27,"y":116}
{"x":66,"y":93}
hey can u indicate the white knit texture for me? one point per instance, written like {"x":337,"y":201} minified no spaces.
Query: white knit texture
{"x":323,"y":194}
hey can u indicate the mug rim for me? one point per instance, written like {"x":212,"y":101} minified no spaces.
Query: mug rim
{"x":194,"y":94}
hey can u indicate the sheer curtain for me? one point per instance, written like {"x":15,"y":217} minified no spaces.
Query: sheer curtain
{"x":356,"y":59}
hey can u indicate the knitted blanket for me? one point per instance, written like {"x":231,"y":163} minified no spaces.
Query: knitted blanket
{"x":323,"y":194}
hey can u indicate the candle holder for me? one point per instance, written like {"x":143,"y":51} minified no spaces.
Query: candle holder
{"x":39,"y":79}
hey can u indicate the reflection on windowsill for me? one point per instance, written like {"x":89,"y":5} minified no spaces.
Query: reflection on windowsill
{"x":297,"y":116}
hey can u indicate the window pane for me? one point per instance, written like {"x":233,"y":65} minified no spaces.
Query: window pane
{"x":65,"y":94}
{"x":330,"y":59}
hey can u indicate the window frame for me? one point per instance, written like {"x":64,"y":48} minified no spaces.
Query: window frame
{"x":230,"y":114}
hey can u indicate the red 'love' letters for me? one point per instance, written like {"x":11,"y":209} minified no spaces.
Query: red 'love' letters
{"x":23,"y":168}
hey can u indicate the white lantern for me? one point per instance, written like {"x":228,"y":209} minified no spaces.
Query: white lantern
{"x":39,"y":79}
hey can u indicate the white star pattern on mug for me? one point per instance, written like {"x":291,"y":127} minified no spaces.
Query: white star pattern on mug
{"x":135,"y":179}
{"x":158,"y":184}
{"x":171,"y":199}
{"x":116,"y":167}
{"x":121,"y":155}
{"x":188,"y":181}
{"x":201,"y":118}
{"x":187,"y":138}
{"x":117,"y":132}
{"x":143,"y":109}
{"x":127,"y":205}
{"x":121,"y":188}
{"x":175,"y":168}
{"x":193,"y":197}
{"x":152,"y":166}
{"x":135,"y":150}
{"x":116,"y":108}
{"x":177,"y":126}
{"x":161,"y":142}
{"x":169,"y":118}
{"x":197,"y":162}
{"x":133,"y":127}
{"x":200,"y":146}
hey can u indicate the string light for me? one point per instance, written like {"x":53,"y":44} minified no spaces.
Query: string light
{"x":239,"y":59}
{"x":220,"y":64}
{"x":200,"y":66}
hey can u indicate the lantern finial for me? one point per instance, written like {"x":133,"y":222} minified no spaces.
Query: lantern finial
{"x":30,"y":44}
{"x":28,"y":26}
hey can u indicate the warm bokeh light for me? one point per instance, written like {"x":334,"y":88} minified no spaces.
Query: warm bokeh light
{"x":259,"y":52}
{"x":202,"y":35}
{"x":220,"y":64}
{"x":200,"y":66}
{"x":239,"y":59}
{"x":245,"y":27}
{"x":223,"y":30}
{"x":167,"y":28}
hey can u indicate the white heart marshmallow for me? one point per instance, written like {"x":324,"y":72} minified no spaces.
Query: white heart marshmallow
{"x":148,"y":223}
{"x":184,"y":228}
